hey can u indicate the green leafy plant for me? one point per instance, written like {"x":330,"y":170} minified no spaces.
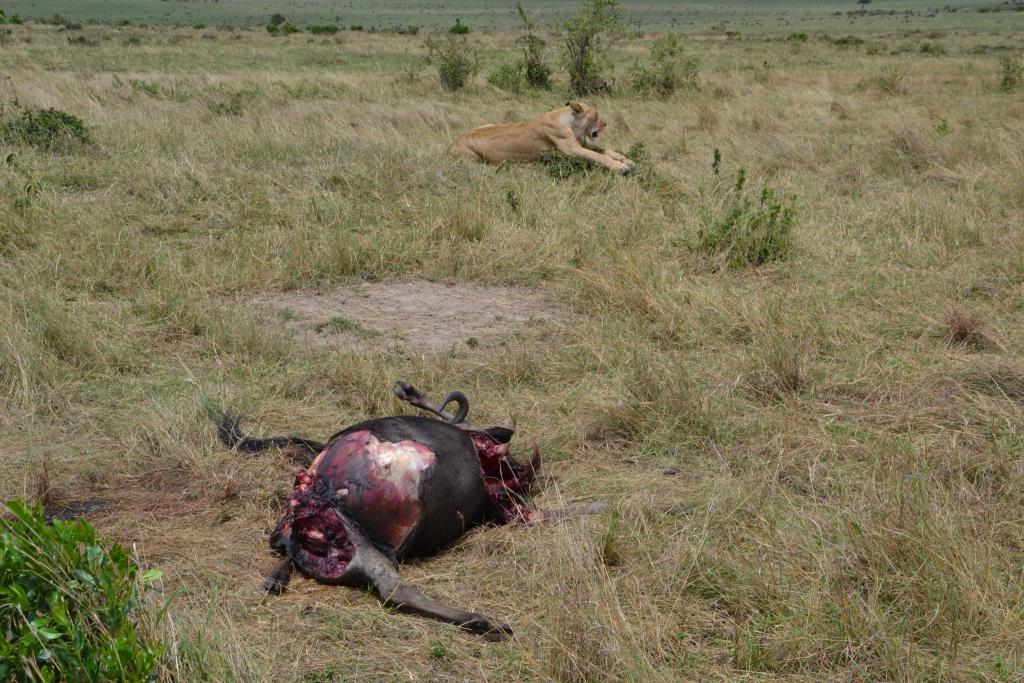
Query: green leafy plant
{"x":744,"y":229}
{"x":587,"y":39}
{"x":1011,"y":74}
{"x":459,"y":28}
{"x":69,"y":603}
{"x":319,"y":29}
{"x":509,"y":77}
{"x":48,"y":129}
{"x":668,"y":69}
{"x":457,"y":64}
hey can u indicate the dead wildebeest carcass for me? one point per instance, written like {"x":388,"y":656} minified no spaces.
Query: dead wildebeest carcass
{"x":394,"y":488}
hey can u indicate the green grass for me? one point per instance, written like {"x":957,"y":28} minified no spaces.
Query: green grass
{"x":843,"y":422}
{"x":743,"y":16}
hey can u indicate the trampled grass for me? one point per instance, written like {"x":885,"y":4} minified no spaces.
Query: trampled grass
{"x":815,"y":465}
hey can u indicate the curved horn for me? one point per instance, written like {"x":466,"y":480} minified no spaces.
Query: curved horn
{"x":463,"y":411}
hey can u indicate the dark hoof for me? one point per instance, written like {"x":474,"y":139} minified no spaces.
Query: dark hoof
{"x":491,"y":630}
{"x":273,"y":586}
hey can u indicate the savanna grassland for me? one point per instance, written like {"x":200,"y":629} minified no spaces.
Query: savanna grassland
{"x":815,"y":465}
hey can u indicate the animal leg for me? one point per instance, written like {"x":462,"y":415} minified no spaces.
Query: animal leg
{"x":620,"y":157}
{"x":560,"y":514}
{"x":382,"y":575}
{"x":415,"y":397}
{"x":572,"y":147}
{"x":279,"y":577}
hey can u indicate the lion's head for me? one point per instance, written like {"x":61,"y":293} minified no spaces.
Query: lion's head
{"x":587,"y":122}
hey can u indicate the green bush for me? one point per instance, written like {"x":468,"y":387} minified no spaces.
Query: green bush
{"x":69,"y":603}
{"x":459,"y":28}
{"x":746,"y":230}
{"x":587,"y":39}
{"x":456,"y":64}
{"x":276,"y":19}
{"x":668,"y":70}
{"x":1011,"y":74}
{"x":355,"y":27}
{"x":797,"y":37}
{"x":199,"y":26}
{"x":318,"y":29}
{"x":48,"y":129}
{"x":508,"y":77}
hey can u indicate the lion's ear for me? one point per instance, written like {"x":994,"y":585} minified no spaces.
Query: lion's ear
{"x":575,"y":106}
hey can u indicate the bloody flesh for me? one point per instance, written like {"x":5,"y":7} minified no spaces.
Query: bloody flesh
{"x":507,"y":481}
{"x":376,"y":485}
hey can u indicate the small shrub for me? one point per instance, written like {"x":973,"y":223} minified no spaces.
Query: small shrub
{"x":81,"y":41}
{"x":848,"y":41}
{"x":272,"y":29}
{"x":746,"y":230}
{"x":459,"y":28}
{"x":797,"y":37}
{"x":69,"y":603}
{"x":587,"y":38}
{"x":535,"y":69}
{"x":276,"y":19}
{"x":319,"y":29}
{"x":73,"y":26}
{"x":890,"y":81}
{"x":457,"y":64}
{"x":1011,"y":74}
{"x":508,"y":77}
{"x":199,"y":26}
{"x":932,"y":49}
{"x":48,"y":129}
{"x":145,"y":87}
{"x":355,"y":27}
{"x":234,"y":104}
{"x":290,"y":28}
{"x":668,"y":70}
{"x":413,"y":70}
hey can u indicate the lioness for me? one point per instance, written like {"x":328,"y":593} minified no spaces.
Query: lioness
{"x":562,"y":129}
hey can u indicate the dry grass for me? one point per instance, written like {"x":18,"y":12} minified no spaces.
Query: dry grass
{"x":847,"y":498}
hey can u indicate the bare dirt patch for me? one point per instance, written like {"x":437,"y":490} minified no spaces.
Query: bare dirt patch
{"x":416,"y":314}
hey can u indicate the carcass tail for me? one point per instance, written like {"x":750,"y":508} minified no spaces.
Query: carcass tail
{"x":232,"y":437}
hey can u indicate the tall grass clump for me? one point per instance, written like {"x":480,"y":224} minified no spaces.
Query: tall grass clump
{"x":744,"y":229}
{"x":48,"y":129}
{"x":667,"y":71}
{"x":587,"y":40}
{"x":69,"y":603}
{"x":457,"y":64}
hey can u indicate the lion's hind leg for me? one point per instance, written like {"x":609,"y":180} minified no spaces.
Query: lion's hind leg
{"x":460,"y":149}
